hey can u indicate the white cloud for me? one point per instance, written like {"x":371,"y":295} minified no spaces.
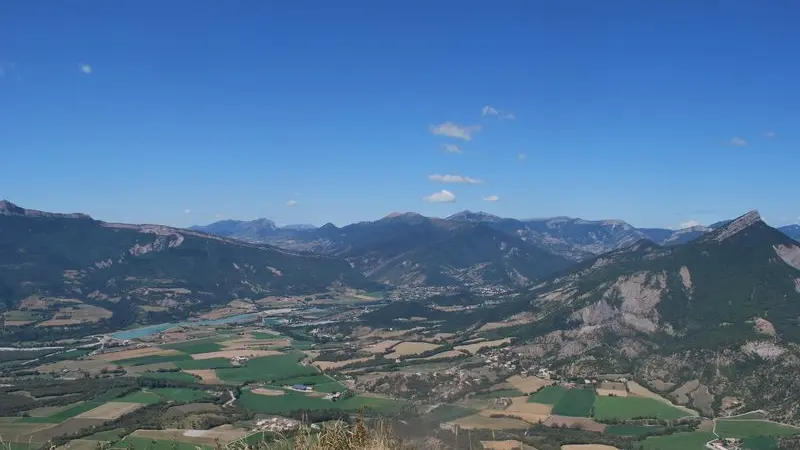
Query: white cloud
{"x":219,"y":215}
{"x":738,"y":142}
{"x":442,"y":196}
{"x":187,"y":211}
{"x":454,"y":130}
{"x":451,"y":148}
{"x":489,"y":111}
{"x":291,"y":203}
{"x":522,"y":157}
{"x":491,"y":198}
{"x":454,"y":179}
{"x":492,"y":111}
{"x":770,"y":134}
{"x":690,"y":223}
{"x":86,"y":68}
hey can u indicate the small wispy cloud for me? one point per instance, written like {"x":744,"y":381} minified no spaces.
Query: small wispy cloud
{"x":187,"y":211}
{"x":769,"y":134}
{"x":454,"y":130}
{"x":219,"y":215}
{"x":690,"y":224}
{"x":291,"y":203}
{"x":522,"y":157}
{"x":738,"y":142}
{"x":86,"y":68}
{"x":491,"y":198}
{"x":443,"y":196}
{"x":456,"y":179}
{"x":490,"y":111}
{"x":451,"y":148}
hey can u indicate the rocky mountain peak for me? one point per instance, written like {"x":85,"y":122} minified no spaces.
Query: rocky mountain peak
{"x":737,"y":225}
{"x":9,"y":209}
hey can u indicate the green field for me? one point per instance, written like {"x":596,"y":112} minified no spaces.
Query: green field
{"x":108,"y":435}
{"x":749,"y":428}
{"x":140,"y":397}
{"x":173,"y":376}
{"x":632,"y":430}
{"x":321,"y":383}
{"x":138,"y":443}
{"x":550,"y":395}
{"x":627,"y":408}
{"x":499,"y":393}
{"x":575,"y":403}
{"x":153,"y":359}
{"x":192,"y":347}
{"x":199,"y":364}
{"x":446,"y":413}
{"x":679,"y":441}
{"x":268,"y":368}
{"x":760,"y":443}
{"x":64,"y":414}
{"x":74,"y":353}
{"x":180,"y":394}
{"x":292,"y":401}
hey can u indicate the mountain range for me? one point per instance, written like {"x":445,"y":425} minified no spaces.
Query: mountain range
{"x":721,"y":312}
{"x":147,"y":272}
{"x":711,"y":314}
{"x":467,"y":248}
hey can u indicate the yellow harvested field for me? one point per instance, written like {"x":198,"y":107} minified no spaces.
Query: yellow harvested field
{"x":268,"y":392}
{"x":443,"y":355}
{"x":588,"y":447}
{"x":611,"y":393}
{"x":575,"y":422}
{"x":527,"y":417}
{"x":528,"y":385}
{"x":478,"y":421}
{"x":135,"y":353}
{"x":475,"y":348}
{"x":236,"y":353}
{"x":637,"y":389}
{"x":411,"y":348}
{"x":87,"y":365}
{"x":521,"y":404}
{"x":382,"y":347}
{"x":207,"y":376}
{"x":327,"y":365}
{"x":501,"y":445}
{"x":225,"y":435}
{"x":110,"y":411}
{"x":78,"y":314}
{"x":18,"y":323}
{"x":613,"y":386}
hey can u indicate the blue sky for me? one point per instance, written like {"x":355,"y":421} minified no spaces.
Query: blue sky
{"x":186,"y":111}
